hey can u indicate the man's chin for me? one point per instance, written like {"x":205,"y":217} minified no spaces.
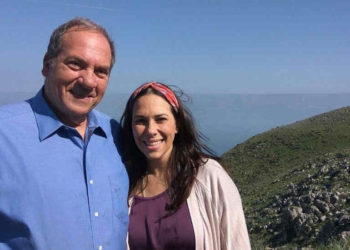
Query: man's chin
{"x":73,"y":116}
{"x":80,"y":107}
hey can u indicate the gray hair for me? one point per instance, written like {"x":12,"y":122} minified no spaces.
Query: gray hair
{"x":78,"y":23}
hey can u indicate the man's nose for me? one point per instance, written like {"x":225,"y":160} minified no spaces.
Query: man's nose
{"x":88,"y":79}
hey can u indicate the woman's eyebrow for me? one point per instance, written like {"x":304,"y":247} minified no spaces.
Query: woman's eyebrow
{"x":157,"y":115}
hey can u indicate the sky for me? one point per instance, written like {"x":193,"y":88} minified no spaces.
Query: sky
{"x":202,"y":46}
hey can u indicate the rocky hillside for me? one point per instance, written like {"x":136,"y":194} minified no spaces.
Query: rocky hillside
{"x":295,"y":181}
{"x":312,"y":211}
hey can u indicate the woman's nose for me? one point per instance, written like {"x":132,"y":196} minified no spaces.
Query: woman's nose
{"x":152,"y":128}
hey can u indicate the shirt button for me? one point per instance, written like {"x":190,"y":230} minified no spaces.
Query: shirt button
{"x":100,"y":247}
{"x":91,"y":182}
{"x":96,"y":214}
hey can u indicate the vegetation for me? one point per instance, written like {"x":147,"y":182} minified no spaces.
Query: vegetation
{"x":333,"y":245}
{"x":264,"y":165}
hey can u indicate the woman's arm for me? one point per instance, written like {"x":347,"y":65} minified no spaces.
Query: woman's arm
{"x":229,"y":210}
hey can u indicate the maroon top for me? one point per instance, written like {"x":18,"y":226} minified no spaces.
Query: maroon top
{"x":150,"y":228}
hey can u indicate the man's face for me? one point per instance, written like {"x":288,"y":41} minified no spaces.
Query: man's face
{"x":77,"y":78}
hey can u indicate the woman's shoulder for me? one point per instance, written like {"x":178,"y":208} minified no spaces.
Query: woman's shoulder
{"x":213,"y":181}
{"x":211,"y":168}
{"x":211,"y":172}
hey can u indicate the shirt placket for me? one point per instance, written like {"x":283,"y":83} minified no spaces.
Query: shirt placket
{"x":96,"y":209}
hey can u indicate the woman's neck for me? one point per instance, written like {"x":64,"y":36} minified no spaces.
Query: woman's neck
{"x":156,"y":181}
{"x":160,"y":170}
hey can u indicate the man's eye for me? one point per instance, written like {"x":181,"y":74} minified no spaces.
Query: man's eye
{"x":74,"y":65}
{"x":101,"y":73}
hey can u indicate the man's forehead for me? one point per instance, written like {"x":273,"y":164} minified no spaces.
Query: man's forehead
{"x":80,"y":36}
{"x":83,"y":32}
{"x":76,"y":43}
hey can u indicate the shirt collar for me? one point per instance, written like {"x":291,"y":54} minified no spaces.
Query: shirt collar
{"x":48,"y":123}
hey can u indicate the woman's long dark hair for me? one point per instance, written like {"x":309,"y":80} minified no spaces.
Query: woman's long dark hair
{"x":188,"y":154}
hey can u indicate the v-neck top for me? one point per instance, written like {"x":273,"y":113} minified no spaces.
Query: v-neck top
{"x":151,"y":227}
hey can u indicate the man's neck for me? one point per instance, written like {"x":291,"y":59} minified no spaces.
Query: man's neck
{"x":79,"y":124}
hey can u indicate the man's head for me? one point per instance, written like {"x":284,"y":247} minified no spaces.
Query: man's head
{"x":76,"y":67}
{"x":55,"y":44}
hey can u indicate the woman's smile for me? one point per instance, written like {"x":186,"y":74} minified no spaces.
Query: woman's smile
{"x":154,"y":128}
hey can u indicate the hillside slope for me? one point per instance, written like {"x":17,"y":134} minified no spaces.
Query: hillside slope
{"x":270,"y":165}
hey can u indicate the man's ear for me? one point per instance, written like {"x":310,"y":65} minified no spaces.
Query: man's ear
{"x":46,"y":66}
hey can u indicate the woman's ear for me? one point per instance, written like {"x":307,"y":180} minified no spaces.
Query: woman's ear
{"x":176,"y":129}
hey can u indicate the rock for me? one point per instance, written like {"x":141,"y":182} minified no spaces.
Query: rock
{"x":306,"y":199}
{"x":347,"y":201}
{"x":322,"y":206}
{"x":345,"y":235}
{"x":324,"y":169}
{"x":315,"y":211}
{"x":344,"y":220}
{"x":293,"y":212}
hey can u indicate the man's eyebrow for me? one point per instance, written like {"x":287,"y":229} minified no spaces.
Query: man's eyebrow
{"x":75,"y":58}
{"x":104,"y":67}
{"x":82,"y":61}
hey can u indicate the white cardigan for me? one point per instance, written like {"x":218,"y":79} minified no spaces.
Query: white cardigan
{"x":216,"y":211}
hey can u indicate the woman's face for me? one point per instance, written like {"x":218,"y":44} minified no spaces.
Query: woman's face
{"x":154,"y":128}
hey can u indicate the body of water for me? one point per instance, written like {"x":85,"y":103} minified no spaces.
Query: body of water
{"x":229,"y":119}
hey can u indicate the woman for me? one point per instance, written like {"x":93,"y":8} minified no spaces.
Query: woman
{"x":180,"y":196}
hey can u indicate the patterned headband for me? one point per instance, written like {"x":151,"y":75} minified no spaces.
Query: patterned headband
{"x":165,"y":91}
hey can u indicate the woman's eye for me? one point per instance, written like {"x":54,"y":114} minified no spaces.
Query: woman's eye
{"x":161,"y":119}
{"x":139,"y":121}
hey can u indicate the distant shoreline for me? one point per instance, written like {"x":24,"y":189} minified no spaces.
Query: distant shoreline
{"x":229,"y":119}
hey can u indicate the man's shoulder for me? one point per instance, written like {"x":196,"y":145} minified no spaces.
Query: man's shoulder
{"x":104,"y":118}
{"x":101,"y":116}
{"x":109,"y":124}
{"x":14,"y":110}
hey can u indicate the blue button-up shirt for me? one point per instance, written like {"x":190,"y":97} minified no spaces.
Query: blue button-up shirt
{"x":58,"y":191}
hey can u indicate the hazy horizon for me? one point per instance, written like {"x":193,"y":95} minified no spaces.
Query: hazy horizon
{"x":229,"y":119}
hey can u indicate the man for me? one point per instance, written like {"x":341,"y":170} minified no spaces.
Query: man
{"x":62,"y":182}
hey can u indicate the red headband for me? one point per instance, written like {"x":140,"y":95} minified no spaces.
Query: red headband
{"x":165,"y":91}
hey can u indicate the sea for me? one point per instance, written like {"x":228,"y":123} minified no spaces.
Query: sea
{"x":229,"y":119}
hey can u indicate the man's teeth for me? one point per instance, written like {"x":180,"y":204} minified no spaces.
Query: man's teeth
{"x":79,"y":94}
